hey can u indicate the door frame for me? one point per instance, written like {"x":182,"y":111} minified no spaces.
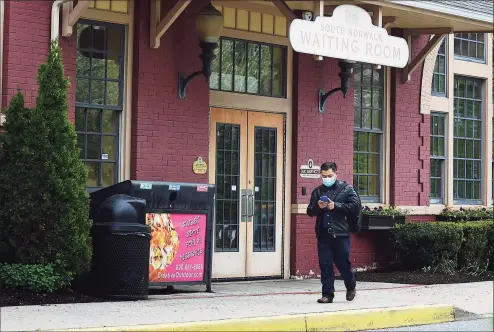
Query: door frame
{"x":245,"y":102}
{"x":285,"y":192}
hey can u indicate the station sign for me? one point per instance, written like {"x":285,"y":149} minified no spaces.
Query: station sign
{"x":349,"y":35}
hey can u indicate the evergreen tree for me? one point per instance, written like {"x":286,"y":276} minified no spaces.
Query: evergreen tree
{"x":15,"y":153}
{"x":45,"y":203}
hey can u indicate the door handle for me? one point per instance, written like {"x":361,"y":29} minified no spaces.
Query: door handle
{"x":244,"y":207}
{"x":252,"y":209}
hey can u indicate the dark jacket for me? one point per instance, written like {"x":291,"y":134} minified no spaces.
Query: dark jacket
{"x":345,"y":203}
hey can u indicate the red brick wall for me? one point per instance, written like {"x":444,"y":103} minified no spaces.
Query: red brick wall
{"x":168,"y":134}
{"x":409,"y":137}
{"x":409,"y":153}
{"x":421,"y":218}
{"x":321,"y":137}
{"x":26,"y":45}
{"x":26,"y":42}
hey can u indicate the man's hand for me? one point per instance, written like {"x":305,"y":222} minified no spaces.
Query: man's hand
{"x":322,"y":204}
{"x":331,"y":205}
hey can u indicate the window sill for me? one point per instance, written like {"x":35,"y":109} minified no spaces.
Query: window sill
{"x":439,"y":94}
{"x":438,"y":201}
{"x":476,"y":202}
{"x":474,"y":60}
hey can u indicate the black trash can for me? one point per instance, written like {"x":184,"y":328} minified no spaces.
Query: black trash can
{"x":121,"y":244}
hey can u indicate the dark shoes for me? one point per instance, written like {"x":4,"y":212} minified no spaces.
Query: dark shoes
{"x":325,"y":299}
{"x":350,"y":294}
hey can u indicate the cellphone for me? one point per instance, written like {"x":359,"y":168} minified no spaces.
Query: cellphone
{"x":324,"y":199}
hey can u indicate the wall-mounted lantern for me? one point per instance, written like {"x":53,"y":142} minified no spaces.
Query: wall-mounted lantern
{"x":209,"y":24}
{"x":345,"y":75}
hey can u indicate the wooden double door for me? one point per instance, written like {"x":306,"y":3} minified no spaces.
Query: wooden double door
{"x":246,"y":164}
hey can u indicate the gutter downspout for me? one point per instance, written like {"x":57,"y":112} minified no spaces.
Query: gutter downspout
{"x":2,"y":16}
{"x":2,"y":10}
{"x":55,"y":18}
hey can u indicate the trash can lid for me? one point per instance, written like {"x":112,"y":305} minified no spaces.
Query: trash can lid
{"x":123,"y":209}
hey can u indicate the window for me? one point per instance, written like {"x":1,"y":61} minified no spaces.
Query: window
{"x":99,"y":100}
{"x":467,"y":172}
{"x":249,"y":67}
{"x":438,"y":155}
{"x":439,"y":75}
{"x":368,"y":130}
{"x":227,"y":175}
{"x":470,"y":46}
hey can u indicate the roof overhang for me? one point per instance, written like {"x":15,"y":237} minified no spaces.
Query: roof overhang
{"x":409,"y":14}
{"x":447,"y":9}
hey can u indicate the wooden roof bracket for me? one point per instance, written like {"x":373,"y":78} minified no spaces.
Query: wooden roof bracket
{"x":285,"y":10}
{"x":387,"y":21}
{"x":158,"y":25}
{"x":71,"y":14}
{"x":377,"y":20}
{"x":318,"y":11}
{"x":419,"y":58}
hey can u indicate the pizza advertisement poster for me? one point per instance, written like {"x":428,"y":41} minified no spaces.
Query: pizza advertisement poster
{"x":178,"y":247}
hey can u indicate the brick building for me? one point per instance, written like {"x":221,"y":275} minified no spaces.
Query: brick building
{"x":257,"y":121}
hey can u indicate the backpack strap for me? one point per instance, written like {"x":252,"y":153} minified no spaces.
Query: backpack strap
{"x":338,"y":190}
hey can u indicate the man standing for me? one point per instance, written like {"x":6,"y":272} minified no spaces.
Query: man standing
{"x":332,"y":203}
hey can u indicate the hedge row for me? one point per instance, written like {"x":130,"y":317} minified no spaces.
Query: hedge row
{"x":466,"y":245}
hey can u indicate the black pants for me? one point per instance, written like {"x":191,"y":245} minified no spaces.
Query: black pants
{"x":334,"y":250}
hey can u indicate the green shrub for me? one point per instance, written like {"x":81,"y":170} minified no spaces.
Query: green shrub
{"x":475,"y":249}
{"x":422,"y":245}
{"x":491,"y":245}
{"x":45,"y":205}
{"x":37,"y":278}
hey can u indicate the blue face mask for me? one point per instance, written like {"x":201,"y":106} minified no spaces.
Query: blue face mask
{"x":328,"y":182}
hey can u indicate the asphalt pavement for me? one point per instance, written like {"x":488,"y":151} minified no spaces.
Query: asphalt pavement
{"x":478,"y":325}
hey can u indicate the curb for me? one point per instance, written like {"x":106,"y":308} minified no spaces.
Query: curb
{"x":349,"y":320}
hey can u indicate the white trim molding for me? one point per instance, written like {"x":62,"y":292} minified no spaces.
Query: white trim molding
{"x":433,"y":209}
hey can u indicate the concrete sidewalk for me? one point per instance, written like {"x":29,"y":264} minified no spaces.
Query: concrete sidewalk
{"x":248,"y":300}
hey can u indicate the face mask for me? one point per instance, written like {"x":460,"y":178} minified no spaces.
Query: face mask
{"x":328,"y":182}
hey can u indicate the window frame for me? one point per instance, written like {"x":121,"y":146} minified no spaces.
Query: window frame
{"x":468,"y":40}
{"x":284,"y":81}
{"x":101,"y":107}
{"x":468,"y":201}
{"x":435,"y":74}
{"x":220,"y":195}
{"x":442,"y":158}
{"x":380,"y":132}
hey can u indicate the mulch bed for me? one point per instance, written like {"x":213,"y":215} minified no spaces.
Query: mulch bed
{"x":19,"y":298}
{"x":419,"y":278}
